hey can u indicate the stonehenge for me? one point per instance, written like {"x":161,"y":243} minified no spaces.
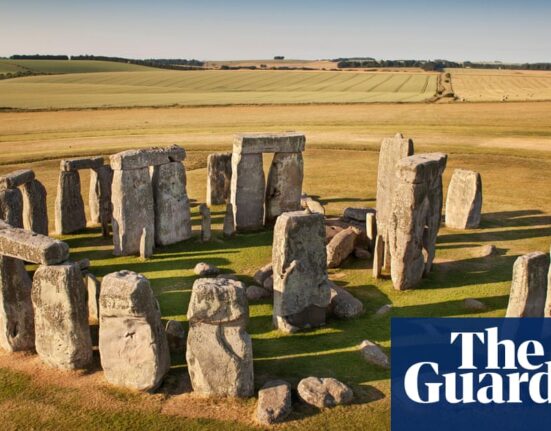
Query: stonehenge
{"x":253,"y":202}
{"x":132,"y":341}
{"x":299,"y":262}
{"x":219,"y":172}
{"x":99,"y":197}
{"x":464,"y":200}
{"x":35,"y":209}
{"x":149,"y":209}
{"x":219,"y":349}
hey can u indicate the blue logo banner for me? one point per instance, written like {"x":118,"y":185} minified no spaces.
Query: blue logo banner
{"x":470,"y":374}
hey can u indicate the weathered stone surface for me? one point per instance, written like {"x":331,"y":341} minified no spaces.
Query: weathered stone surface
{"x":31,"y":247}
{"x":472,"y":304}
{"x":269,"y":283}
{"x":255,"y":293}
{"x":274,"y":402}
{"x":357,"y":214}
{"x":172,"y":210}
{"x":16,"y":179}
{"x":324,"y":392}
{"x":219,"y":349}
{"x":35,"y":208}
{"x":93,"y":288}
{"x":11,"y":207}
{"x":373,"y":354}
{"x":529,"y":286}
{"x":263,"y":273}
{"x":99,"y":197}
{"x":371,"y":226}
{"x":284,"y":187}
{"x":311,"y":204}
{"x":133,"y":209}
{"x":16,"y":308}
{"x":343,"y":304}
{"x":139,"y":159}
{"x":416,"y":215}
{"x":464,"y":200}
{"x":219,"y":172}
{"x":132,"y":341}
{"x":257,"y":143}
{"x":175,"y":336}
{"x":331,"y":231}
{"x":81,"y":163}
{"x":229,"y":225}
{"x":61,"y":316}
{"x":204,"y":269}
{"x":69,"y":207}
{"x":205,"y":223}
{"x":301,"y":289}
{"x":341,"y":246}
{"x":362,"y":253}
{"x":392,"y":150}
{"x":247,"y":191}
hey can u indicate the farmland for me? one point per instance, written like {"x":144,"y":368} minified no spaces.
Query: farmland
{"x":508,"y":143}
{"x":66,"y":66}
{"x":213,"y":87}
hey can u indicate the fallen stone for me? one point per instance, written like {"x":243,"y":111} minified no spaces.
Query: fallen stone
{"x":35,"y":209}
{"x":176,"y":336}
{"x":61,"y":317}
{"x":343,"y":304}
{"x":529,"y":286}
{"x":69,"y":207}
{"x":357,"y":214}
{"x":269,"y":283}
{"x":341,"y":246}
{"x":331,"y":232}
{"x":132,"y":341}
{"x":361,"y":253}
{"x":205,"y":223}
{"x":256,"y":293}
{"x":204,"y":269}
{"x":31,"y":247}
{"x":219,"y":173}
{"x":229,"y":226}
{"x":139,"y":159}
{"x":16,"y":179}
{"x":257,"y":143}
{"x":274,"y":402}
{"x":324,"y":392}
{"x":11,"y":207}
{"x":81,"y":163}
{"x":464,"y":200}
{"x":373,"y":354}
{"x":263,"y":273}
{"x":311,"y":205}
{"x":486,"y":251}
{"x":474,"y":305}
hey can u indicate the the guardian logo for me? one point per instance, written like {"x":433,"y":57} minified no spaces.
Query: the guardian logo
{"x":470,"y":374}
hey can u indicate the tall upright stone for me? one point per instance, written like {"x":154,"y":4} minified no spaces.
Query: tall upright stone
{"x":229,"y":226}
{"x":284,"y":188}
{"x":219,"y":350}
{"x":11,"y":207}
{"x":219,"y":171}
{"x":16,"y":308}
{"x":35,"y":208}
{"x":61,"y":316}
{"x":99,"y":197}
{"x":69,"y":207}
{"x":205,"y":223}
{"x":529,"y":286}
{"x":464,"y":200}
{"x":132,"y":341}
{"x":415,"y":217}
{"x":172,"y":210}
{"x":301,"y":289}
{"x":133,"y":209}
{"x":247,"y":191}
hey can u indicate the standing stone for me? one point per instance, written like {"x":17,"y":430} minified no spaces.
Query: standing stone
{"x":378,"y":256}
{"x":284,"y":188}
{"x":35,"y":209}
{"x":61,"y":316}
{"x":219,"y":350}
{"x":464,"y":200}
{"x":529,"y":286}
{"x":16,"y":308}
{"x":299,"y":259}
{"x":93,"y":288}
{"x":205,"y":222}
{"x":229,"y":226}
{"x":415,"y":217}
{"x":133,"y":210}
{"x":132,"y":341}
{"x":219,"y":171}
{"x":172,"y":211}
{"x":69,"y":207}
{"x":247,"y":191}
{"x":146,"y":244}
{"x":371,"y":230}
{"x":11,"y":207}
{"x":99,"y":199}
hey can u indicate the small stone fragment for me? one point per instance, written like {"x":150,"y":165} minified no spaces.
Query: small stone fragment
{"x":474,"y":305}
{"x":324,"y":392}
{"x":343,"y":304}
{"x":274,"y":402}
{"x":263,"y":273}
{"x":204,"y":269}
{"x":373,"y":354}
{"x":384,"y":310}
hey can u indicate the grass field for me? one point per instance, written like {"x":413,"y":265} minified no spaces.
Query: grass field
{"x":67,"y":66}
{"x":509,"y":144}
{"x":212,"y":87}
{"x":476,"y":85}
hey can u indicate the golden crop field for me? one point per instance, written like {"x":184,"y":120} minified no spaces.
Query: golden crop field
{"x":213,"y":87}
{"x":478,"y":85}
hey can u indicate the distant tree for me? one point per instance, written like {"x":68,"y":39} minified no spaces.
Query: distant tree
{"x":279,"y":57}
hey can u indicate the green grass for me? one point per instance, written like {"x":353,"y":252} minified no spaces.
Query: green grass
{"x":67,"y":66}
{"x":212,"y":87}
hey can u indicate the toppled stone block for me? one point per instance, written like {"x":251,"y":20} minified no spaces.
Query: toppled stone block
{"x":263,"y":273}
{"x":357,"y":214}
{"x":11,"y":207}
{"x":139,"y":159}
{"x":343,"y":304}
{"x":219,"y":173}
{"x":81,"y":163}
{"x":341,"y":246}
{"x":373,"y":354}
{"x":464,"y":200}
{"x":529,"y":286}
{"x":247,"y":191}
{"x":311,"y":204}
{"x":61,"y":316}
{"x":324,"y":392}
{"x":257,"y":143}
{"x":35,"y":208}
{"x":132,"y":341}
{"x":16,"y":179}
{"x":69,"y":207}
{"x":274,"y":402}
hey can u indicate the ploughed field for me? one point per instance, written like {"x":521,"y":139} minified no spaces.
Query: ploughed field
{"x":509,"y":144}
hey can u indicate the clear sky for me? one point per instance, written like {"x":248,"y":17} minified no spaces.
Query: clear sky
{"x":481,"y":30}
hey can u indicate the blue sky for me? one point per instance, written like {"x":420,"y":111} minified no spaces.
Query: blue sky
{"x":506,"y":30}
